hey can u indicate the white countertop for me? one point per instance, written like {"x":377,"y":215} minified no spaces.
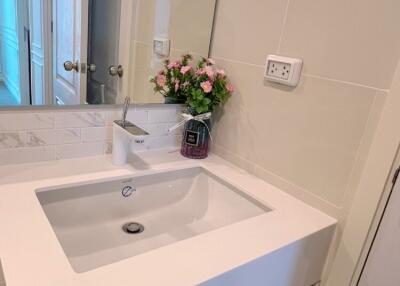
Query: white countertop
{"x":31,"y":254}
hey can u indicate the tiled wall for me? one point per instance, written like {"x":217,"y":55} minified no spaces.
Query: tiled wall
{"x":189,"y":32}
{"x":60,"y":134}
{"x":313,"y":140}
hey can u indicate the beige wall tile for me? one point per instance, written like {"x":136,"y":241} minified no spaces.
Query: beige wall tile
{"x":191,"y":25}
{"x":143,"y":70}
{"x":145,"y":21}
{"x":309,"y":136}
{"x":363,"y":152}
{"x":248,"y":30}
{"x":356,"y":41}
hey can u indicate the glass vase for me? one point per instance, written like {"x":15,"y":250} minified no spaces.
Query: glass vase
{"x":196,"y":137}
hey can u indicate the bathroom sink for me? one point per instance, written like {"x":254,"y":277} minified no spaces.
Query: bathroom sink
{"x":104,"y":222}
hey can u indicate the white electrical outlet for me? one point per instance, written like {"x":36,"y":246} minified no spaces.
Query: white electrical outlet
{"x":283,"y":70}
{"x":161,"y":47}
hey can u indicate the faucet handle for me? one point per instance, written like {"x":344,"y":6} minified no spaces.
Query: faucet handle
{"x":125,"y":109}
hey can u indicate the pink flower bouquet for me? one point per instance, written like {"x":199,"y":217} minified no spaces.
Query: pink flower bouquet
{"x":201,"y":88}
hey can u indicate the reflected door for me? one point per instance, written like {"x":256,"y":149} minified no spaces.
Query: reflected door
{"x":110,"y":36}
{"x":70,"y":36}
{"x":103,"y":52}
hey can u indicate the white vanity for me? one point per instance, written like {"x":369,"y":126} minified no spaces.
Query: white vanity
{"x":204,"y":223}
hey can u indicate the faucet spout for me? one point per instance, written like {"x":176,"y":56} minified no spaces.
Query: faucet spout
{"x":125,"y":110}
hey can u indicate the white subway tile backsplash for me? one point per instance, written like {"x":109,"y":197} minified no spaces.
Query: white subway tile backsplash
{"x":23,"y":121}
{"x":53,"y":137}
{"x":161,"y":129}
{"x":94,"y":134}
{"x":43,"y":136}
{"x":113,"y":115}
{"x":163,"y":141}
{"x":80,"y":119}
{"x":12,"y":139}
{"x":164,"y":115}
{"x":138,"y":116}
{"x":80,"y":150}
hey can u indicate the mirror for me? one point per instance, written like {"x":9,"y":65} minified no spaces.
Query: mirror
{"x":75,"y":52}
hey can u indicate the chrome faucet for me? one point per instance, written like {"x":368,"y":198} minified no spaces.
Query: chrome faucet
{"x":125,"y":109}
{"x":124,"y":132}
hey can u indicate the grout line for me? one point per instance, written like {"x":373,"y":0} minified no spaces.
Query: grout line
{"x":308,"y":75}
{"x":238,"y":62}
{"x":288,"y":183}
{"x":283,"y":27}
{"x":346,"y":82}
{"x":357,"y":155}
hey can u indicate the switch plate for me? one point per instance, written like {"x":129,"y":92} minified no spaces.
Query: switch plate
{"x":283,"y":70}
{"x":161,"y":47}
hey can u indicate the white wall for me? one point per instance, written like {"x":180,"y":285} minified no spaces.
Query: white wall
{"x":190,"y":31}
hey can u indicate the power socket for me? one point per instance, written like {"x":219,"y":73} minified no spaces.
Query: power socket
{"x":278,"y":69}
{"x":283,"y":70}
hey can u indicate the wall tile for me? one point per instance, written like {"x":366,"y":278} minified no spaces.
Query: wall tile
{"x":138,"y":116}
{"x":308,"y":136}
{"x":80,"y":119}
{"x":12,"y":139}
{"x":163,"y":141}
{"x":97,"y":134}
{"x":356,"y":41}
{"x":248,"y":30}
{"x":191,"y":31}
{"x":43,"y":136}
{"x":24,"y":121}
{"x":53,"y":137}
{"x":160,"y":129}
{"x":363,"y":151}
{"x":164,"y":115}
{"x":113,"y":115}
{"x":80,"y":150}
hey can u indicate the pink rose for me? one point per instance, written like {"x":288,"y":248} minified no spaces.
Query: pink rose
{"x":176,"y":85}
{"x":206,"y":86}
{"x":176,"y":64}
{"x":185,"y":69}
{"x":200,"y":72}
{"x":161,"y":80}
{"x":209,"y":71}
{"x":230,"y":88}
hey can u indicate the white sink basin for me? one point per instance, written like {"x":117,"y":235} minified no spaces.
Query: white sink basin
{"x":172,"y":206}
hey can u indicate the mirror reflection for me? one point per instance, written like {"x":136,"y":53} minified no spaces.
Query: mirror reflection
{"x":72,"y":52}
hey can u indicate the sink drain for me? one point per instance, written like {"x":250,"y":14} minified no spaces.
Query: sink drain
{"x":133,"y":228}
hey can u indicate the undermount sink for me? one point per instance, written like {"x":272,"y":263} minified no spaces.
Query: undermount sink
{"x":102,"y":223}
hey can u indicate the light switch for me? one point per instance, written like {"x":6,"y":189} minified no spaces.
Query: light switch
{"x":283,"y":70}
